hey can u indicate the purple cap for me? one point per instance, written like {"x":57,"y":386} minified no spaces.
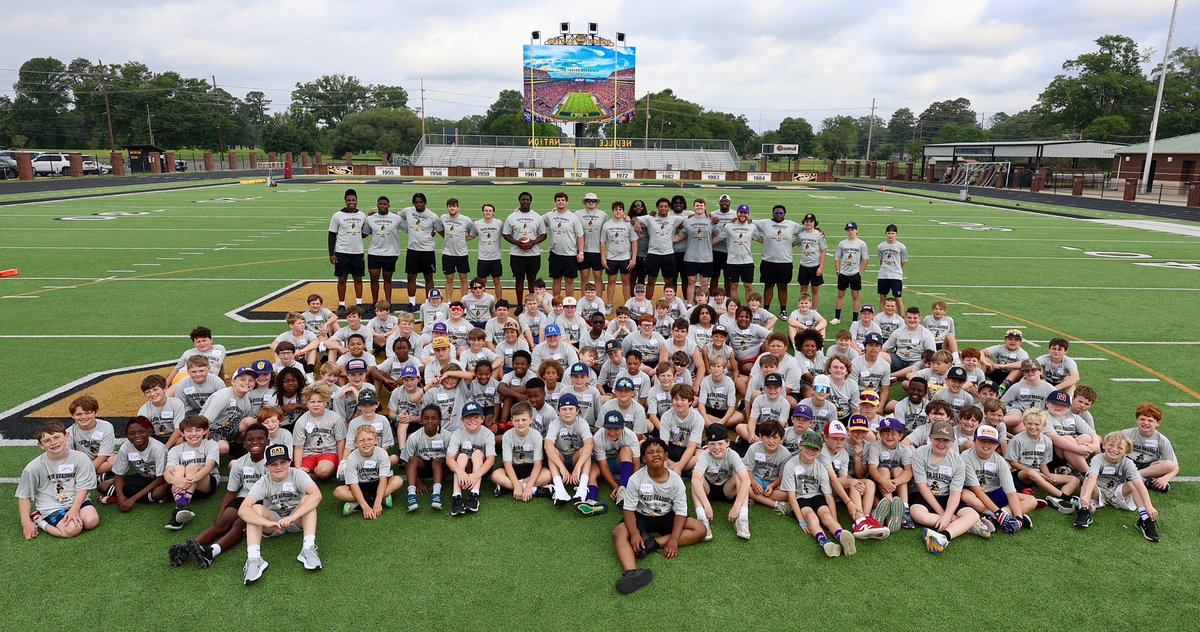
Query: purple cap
{"x":803,"y":411}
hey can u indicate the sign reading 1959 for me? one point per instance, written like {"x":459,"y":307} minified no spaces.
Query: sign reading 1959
{"x":615,"y":143}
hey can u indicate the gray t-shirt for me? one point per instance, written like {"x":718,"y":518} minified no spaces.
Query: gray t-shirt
{"x":52,"y":485}
{"x":747,"y":343}
{"x":1000,"y":354}
{"x":618,"y":240}
{"x":463,"y":442}
{"x":420,"y":227}
{"x":699,"y":246}
{"x":737,"y":239}
{"x":350,"y":229}
{"x":1069,"y":425}
{"x":425,"y":447}
{"x":719,"y":471}
{"x":1023,"y":396}
{"x":888,"y":324}
{"x":455,"y":231}
{"x":876,"y":376}
{"x":1056,"y":373}
{"x":662,"y":232}
{"x":244,"y":473}
{"x":988,"y":474}
{"x":165,"y":419}
{"x":194,"y":395}
{"x":943,"y":476}
{"x":479,"y":308}
{"x":521,"y":450}
{"x":367,"y":469}
{"x":605,"y":449}
{"x":489,"y":232}
{"x":850,"y":256}
{"x":215,"y":357}
{"x":680,"y":432}
{"x":1030,"y":452}
{"x":150,"y":463}
{"x":524,"y":224}
{"x":593,"y":223}
{"x":385,"y":234}
{"x":778,"y":239}
{"x":99,"y":441}
{"x":383,"y":429}
{"x":764,"y":409}
{"x":717,"y":396}
{"x":315,"y":323}
{"x":648,"y":497}
{"x":891,"y":256}
{"x":319,"y":436}
{"x":940,"y":328}
{"x":812,"y":244}
{"x":886,"y":458}
{"x":568,"y":439}
{"x":957,"y":402}
{"x":1147,"y":450}
{"x":565,"y":230}
{"x":913,"y":415}
{"x":284,"y":496}
{"x":805,"y":480}
{"x":1110,"y":475}
{"x":225,"y":410}
{"x":184,"y":454}
{"x":909,"y":345}
{"x":635,"y":415}
{"x":763,"y":464}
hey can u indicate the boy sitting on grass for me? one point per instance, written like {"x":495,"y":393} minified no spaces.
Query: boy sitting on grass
{"x":369,"y":481}
{"x":720,"y":475}
{"x":470,"y":456}
{"x":190,"y":467}
{"x":138,"y":470}
{"x":52,"y":493}
{"x":277,"y":502}
{"x":1113,"y":479}
{"x":617,"y":451}
{"x":939,"y":475}
{"x":989,"y":485}
{"x":1152,"y":451}
{"x":810,"y":498}
{"x":424,"y":452}
{"x":319,"y":435}
{"x":521,"y":457}
{"x":91,"y":436}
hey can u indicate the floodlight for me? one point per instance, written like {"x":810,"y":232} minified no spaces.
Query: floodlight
{"x":592,"y":28}
{"x":535,"y":35}
{"x":564,"y":27}
{"x":620,"y":36}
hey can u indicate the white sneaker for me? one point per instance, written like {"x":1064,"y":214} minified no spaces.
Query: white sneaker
{"x":254,"y":570}
{"x":309,"y":558}
{"x":835,"y":321}
{"x":707,"y":531}
{"x":742,"y":527}
{"x":621,"y":495}
{"x":783,"y":508}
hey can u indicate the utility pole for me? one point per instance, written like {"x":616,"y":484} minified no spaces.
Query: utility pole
{"x":871,"y":129}
{"x":217,"y":116}
{"x":646,"y":142}
{"x":149,"y":125}
{"x":422,"y":107}
{"x":112,"y":144}
{"x":1162,"y":79}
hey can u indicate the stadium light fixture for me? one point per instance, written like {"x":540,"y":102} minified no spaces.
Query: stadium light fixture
{"x":536,"y":35}
{"x":593,"y":28}
{"x":564,"y":27}
{"x":620,"y":37}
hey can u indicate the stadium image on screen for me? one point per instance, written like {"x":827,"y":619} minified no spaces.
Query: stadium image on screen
{"x":579,"y":84}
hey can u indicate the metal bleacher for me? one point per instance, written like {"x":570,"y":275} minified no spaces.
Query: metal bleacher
{"x":437,"y":150}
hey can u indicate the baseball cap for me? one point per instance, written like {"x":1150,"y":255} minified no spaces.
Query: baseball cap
{"x":941,"y":430}
{"x":988,"y":384}
{"x":822,"y":382}
{"x":441,"y":341}
{"x":434,"y":293}
{"x":472,"y":409}
{"x":743,"y":208}
{"x":440,"y":328}
{"x":859,"y":422}
{"x":724,"y":196}
{"x":812,"y":440}
{"x":512,"y":325}
{"x":803,"y":411}
{"x":591,"y":196}
{"x":624,"y":383}
{"x":809,"y":216}
{"x":715,"y":432}
{"x":869,"y":397}
{"x":891,"y":423}
{"x":612,"y":345}
{"x":956,"y":373}
{"x":851,"y":225}
{"x":873,"y":339}
{"x":614,"y":420}
{"x":410,"y":371}
{"x":835,"y":429}
{"x":568,"y":400}
{"x":245,"y":371}
{"x":866,"y":308}
{"x":891,"y":228}
{"x":720,"y":329}
{"x":639,"y":288}
{"x":580,"y":368}
{"x":367,"y":397}
{"x":570,"y":301}
{"x":1059,"y":397}
{"x":278,"y":452}
{"x":774,"y":379}
{"x":987,"y":432}
{"x":553,"y":330}
{"x":1013,"y":333}
{"x":261,"y":367}
{"x":1030,"y":365}
{"x":356,"y":365}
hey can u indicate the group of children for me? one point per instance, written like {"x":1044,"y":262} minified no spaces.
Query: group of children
{"x":574,"y":393}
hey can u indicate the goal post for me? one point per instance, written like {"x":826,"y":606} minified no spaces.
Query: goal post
{"x":978,"y":174}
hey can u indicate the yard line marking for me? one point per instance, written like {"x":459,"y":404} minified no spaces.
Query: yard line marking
{"x":57,"y":287}
{"x":1135,"y":379}
{"x":979,"y":313}
{"x":121,"y":271}
{"x":192,"y":254}
{"x":147,"y":264}
{"x":1186,"y":479}
{"x":226,"y":244}
{"x":1089,"y":359}
{"x":1183,"y":404}
{"x":1033,"y":344}
{"x":19,"y":296}
{"x":239,"y":240}
{"x":1005,"y":326}
{"x":170,"y":258}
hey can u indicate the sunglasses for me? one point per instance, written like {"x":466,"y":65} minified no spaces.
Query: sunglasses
{"x":821,"y":389}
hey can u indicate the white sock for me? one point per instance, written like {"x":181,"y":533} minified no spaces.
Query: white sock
{"x":216,"y":550}
{"x":559,"y":489}
{"x":700,"y":515}
{"x":437,"y":488}
{"x":341,"y":303}
{"x":744,"y":513}
{"x":412,"y":490}
{"x":310,"y":541}
{"x":412,"y":300}
{"x":253,"y":552}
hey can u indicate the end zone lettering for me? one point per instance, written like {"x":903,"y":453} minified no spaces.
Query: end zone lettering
{"x":106,"y":215}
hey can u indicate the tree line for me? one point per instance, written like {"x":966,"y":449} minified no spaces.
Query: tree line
{"x":1103,"y":94}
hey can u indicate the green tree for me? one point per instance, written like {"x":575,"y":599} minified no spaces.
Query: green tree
{"x":1104,"y":83}
{"x":838,"y":138}
{"x":291,"y":131}
{"x":798,"y":131}
{"x":506,"y":117}
{"x":377,"y":129}
{"x":1107,"y":128}
{"x":942,"y":113}
{"x":42,"y":95}
{"x":901,"y":132}
{"x":955,"y":133}
{"x":1181,"y":93}
{"x":390,"y":97}
{"x":331,"y":97}
{"x":1019,"y":126}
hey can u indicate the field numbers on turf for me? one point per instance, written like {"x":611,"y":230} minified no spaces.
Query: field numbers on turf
{"x":972,"y":226}
{"x":1118,"y":254}
{"x":107,"y":215}
{"x":1174,"y":265}
{"x":227,"y":200}
{"x":882,"y":209}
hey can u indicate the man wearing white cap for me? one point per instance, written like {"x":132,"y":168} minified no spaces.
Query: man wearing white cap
{"x":593,"y":219}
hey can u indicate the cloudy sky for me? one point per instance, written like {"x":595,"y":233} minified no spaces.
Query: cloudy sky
{"x":764,"y":59}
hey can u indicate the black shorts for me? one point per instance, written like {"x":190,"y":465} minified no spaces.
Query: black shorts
{"x":916,"y":498}
{"x":655,"y":525}
{"x":134,"y":484}
{"x":809,"y":276}
{"x":739,"y":273}
{"x":235,"y":504}
{"x":489,"y":268}
{"x":591,"y":261}
{"x":456,"y":263}
{"x":216,"y":487}
{"x":563,"y":266}
{"x":661,"y":265}
{"x":719,"y":413}
{"x":522,"y":470}
{"x":525,"y":265}
{"x":698,"y":268}
{"x":812,"y":502}
{"x":380,"y":262}
{"x":895,"y":286}
{"x":348,"y":265}
{"x":719,"y":259}
{"x":369,"y":489}
{"x":716,"y":493}
{"x":675,"y":452}
{"x":852,"y":282}
{"x":772,"y":273}
{"x":419,"y":262}
{"x":679,"y":260}
{"x":617,"y":268}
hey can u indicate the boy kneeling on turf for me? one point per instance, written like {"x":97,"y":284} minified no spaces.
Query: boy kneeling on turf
{"x":720,"y":475}
{"x":521,"y":457}
{"x":655,"y":505}
{"x":52,"y":493}
{"x":369,"y":481}
{"x":276,"y":503}
{"x":1113,"y":479}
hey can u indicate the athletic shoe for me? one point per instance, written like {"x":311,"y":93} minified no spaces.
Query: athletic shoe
{"x":183,"y":515}
{"x":881,"y":511}
{"x":497,"y":491}
{"x":177,"y":554}
{"x":783,"y":315}
{"x":341,"y":311}
{"x":309,"y":558}
{"x":1063,"y":470}
{"x":707,"y":530}
{"x":254,"y":569}
{"x":879,"y":531}
{"x":1063,"y":505}
{"x":1026,"y":522}
{"x":174,"y":524}
{"x":907,"y":521}
{"x":831,"y":548}
{"x":349,"y":508}
{"x":935,"y":542}
{"x":741,"y":527}
{"x":1000,"y":391}
{"x":202,"y":553}
{"x":112,"y":500}
{"x":635,"y":579}
{"x":783,"y":508}
{"x":835,"y":321}
{"x":1009,"y":524}
{"x":457,"y":506}
{"x":435,"y":502}
{"x":559,"y":501}
{"x":983,"y":529}
{"x":589,"y":508}
{"x":895,"y":518}
{"x":388,"y":502}
{"x":620,"y":495}
{"x":1149,"y":482}
{"x":413,"y":502}
{"x":1083,"y":519}
{"x":846,"y":539}
{"x":649,"y":546}
{"x":545,"y":491}
{"x":473,"y":502}
{"x":1148,"y":528}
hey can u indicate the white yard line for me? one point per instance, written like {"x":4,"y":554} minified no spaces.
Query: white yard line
{"x":1183,"y":404}
{"x":1135,"y":379}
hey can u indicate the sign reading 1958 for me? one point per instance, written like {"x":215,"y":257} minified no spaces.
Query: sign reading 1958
{"x":616,"y":143}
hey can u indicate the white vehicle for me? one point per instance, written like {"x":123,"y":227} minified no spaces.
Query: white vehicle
{"x":49,"y":164}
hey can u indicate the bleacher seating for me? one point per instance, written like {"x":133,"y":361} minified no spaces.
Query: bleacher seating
{"x":434,"y":155}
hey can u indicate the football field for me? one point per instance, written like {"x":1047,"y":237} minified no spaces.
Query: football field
{"x":579,"y":105}
{"x":110,"y":286}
